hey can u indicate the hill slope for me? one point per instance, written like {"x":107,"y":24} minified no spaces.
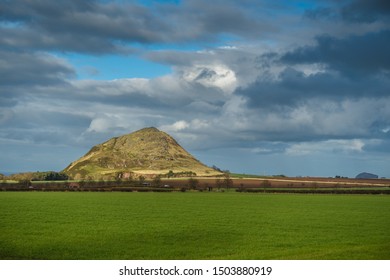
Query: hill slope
{"x":148,"y":151}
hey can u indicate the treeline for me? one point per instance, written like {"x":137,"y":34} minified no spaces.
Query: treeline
{"x":128,"y":184}
{"x":172,"y":174}
{"x":49,"y":176}
{"x":134,"y":185}
{"x":38,"y":176}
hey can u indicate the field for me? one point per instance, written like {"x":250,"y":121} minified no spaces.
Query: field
{"x":271,"y":184}
{"x":193,"y":225}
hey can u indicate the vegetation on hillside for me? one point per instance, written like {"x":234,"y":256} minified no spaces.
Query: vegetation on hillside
{"x":37,"y":176}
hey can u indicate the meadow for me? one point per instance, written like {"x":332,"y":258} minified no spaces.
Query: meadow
{"x":193,"y":225}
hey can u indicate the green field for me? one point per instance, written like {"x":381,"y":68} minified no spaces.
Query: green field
{"x":193,"y":225}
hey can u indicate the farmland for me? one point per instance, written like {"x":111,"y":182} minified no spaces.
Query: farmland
{"x":219,"y":183}
{"x":193,"y":225}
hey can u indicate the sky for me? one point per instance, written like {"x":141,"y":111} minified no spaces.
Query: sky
{"x":299,"y":88}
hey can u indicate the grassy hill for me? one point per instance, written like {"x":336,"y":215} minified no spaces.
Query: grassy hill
{"x":148,"y":151}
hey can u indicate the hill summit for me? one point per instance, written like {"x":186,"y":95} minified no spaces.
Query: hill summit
{"x":148,"y":151}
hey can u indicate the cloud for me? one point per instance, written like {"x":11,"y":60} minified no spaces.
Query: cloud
{"x":91,"y":26}
{"x":333,"y":146}
{"x":207,"y":19}
{"x":176,"y":126}
{"x":353,"y":11}
{"x":22,"y":74}
{"x":218,"y":76}
{"x":318,"y":119}
{"x":320,"y":13}
{"x":365,"y":54}
{"x":109,"y":27}
{"x":5,"y":115}
{"x":17,"y":68}
{"x":292,"y":88}
{"x":366,"y":11}
{"x":230,"y":67}
{"x":286,"y":107}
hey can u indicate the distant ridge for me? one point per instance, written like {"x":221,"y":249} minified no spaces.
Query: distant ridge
{"x":366,"y":175}
{"x":148,"y":151}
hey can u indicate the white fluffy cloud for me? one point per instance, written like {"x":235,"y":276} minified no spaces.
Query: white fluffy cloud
{"x":218,"y":76}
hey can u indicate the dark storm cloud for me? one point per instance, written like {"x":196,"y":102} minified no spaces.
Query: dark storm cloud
{"x":25,"y":75}
{"x":91,"y":26}
{"x":38,"y":126}
{"x":353,"y":11}
{"x":334,"y":89}
{"x":366,"y":11}
{"x":210,"y":19}
{"x":28,"y":39}
{"x":293,"y":87}
{"x":99,"y":27}
{"x":21,"y":68}
{"x":364,"y":54}
{"x":382,"y":147}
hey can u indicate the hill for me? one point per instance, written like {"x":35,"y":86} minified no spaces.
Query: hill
{"x":148,"y":151}
{"x":366,"y":175}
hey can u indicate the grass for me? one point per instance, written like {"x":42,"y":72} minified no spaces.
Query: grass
{"x":39,"y":225}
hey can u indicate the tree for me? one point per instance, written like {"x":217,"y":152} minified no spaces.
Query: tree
{"x":82,"y":183}
{"x":141,"y":179}
{"x":216,"y":168}
{"x":25,"y":183}
{"x":265,"y":184}
{"x":157,"y":181}
{"x":49,"y":176}
{"x":193,"y":183}
{"x":170,"y":174}
{"x":218,"y":183}
{"x":227,"y":181}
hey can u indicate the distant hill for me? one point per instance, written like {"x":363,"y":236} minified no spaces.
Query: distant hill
{"x":148,"y":151}
{"x":365,"y":175}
